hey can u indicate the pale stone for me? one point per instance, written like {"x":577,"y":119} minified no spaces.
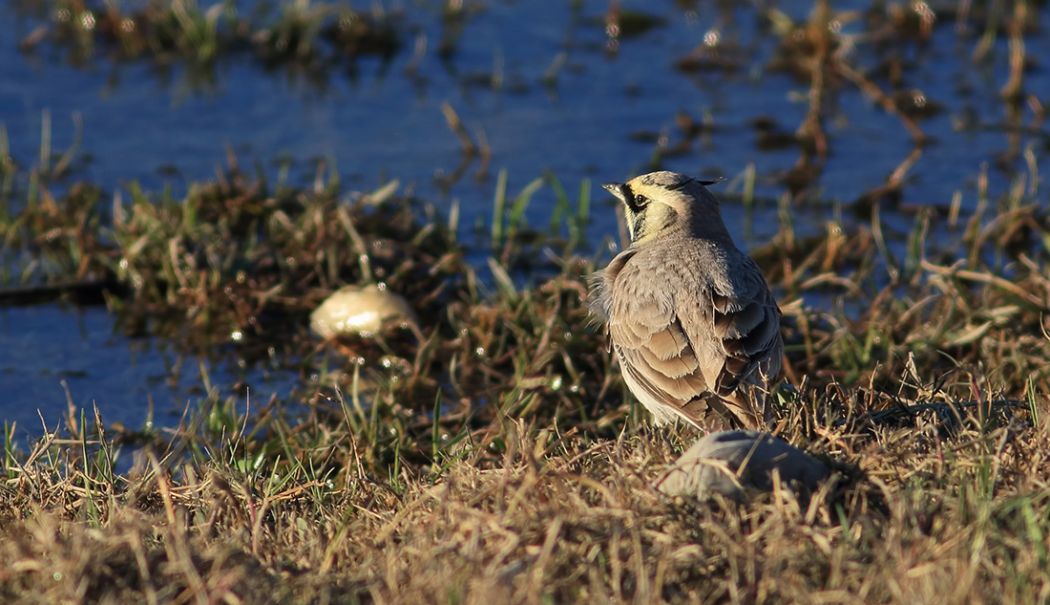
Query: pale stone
{"x":360,"y":311}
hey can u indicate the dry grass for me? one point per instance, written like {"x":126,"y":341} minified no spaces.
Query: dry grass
{"x":556,"y":516}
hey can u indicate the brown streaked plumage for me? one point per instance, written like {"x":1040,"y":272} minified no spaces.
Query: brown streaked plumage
{"x":688,"y":314}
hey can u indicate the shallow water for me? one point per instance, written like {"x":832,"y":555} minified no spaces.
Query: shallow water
{"x":52,"y":355}
{"x":158,"y":128}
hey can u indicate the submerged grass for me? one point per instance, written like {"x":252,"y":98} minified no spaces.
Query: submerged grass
{"x":311,"y":37}
{"x":492,"y":455}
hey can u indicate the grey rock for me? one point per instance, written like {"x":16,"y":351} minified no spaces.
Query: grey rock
{"x":734,"y":463}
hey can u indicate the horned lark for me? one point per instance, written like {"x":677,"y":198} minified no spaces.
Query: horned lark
{"x":693,"y":324}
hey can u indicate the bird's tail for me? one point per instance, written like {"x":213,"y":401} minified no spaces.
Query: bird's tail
{"x":749,"y":404}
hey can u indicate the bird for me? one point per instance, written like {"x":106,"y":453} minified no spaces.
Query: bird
{"x":689,"y":316}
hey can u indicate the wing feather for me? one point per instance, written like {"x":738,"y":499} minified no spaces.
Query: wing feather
{"x":654,"y":350}
{"x":750,"y":332}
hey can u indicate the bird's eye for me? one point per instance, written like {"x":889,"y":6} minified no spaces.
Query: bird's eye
{"x":638,"y":203}
{"x":634,"y":201}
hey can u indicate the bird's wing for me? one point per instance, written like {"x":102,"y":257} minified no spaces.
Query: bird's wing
{"x":658,"y":358}
{"x":747,"y":324}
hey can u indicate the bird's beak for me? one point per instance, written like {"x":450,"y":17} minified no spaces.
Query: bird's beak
{"x":615,"y":189}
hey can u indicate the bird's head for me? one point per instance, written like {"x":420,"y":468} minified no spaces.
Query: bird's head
{"x":659,"y":201}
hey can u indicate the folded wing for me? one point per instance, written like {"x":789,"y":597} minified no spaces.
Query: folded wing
{"x":659,"y":360}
